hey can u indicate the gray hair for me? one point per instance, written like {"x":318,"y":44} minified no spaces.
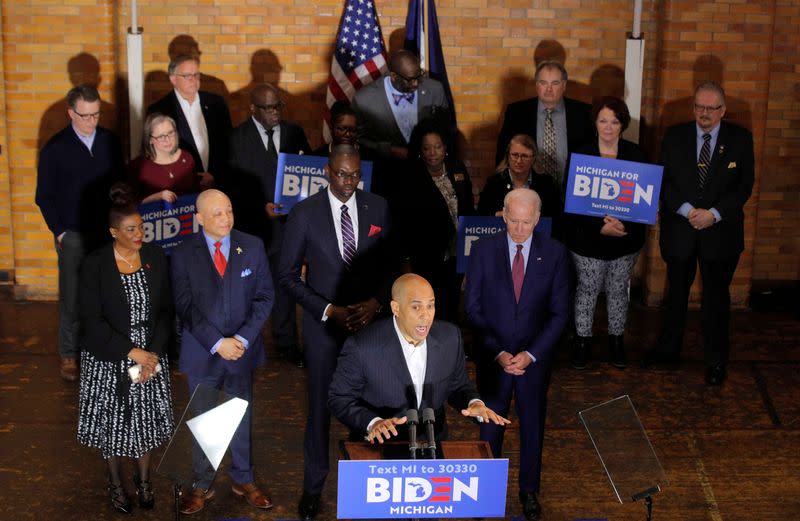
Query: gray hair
{"x":712,"y":86}
{"x":524,"y":196}
{"x":551,"y":64}
{"x":176,"y":62}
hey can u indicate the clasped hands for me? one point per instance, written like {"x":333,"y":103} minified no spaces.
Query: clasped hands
{"x":514,"y":364}
{"x":355,"y":316}
{"x":147,"y":360}
{"x":231,"y":349}
{"x":613,"y":227}
{"x":386,"y":428}
{"x":700,"y":218}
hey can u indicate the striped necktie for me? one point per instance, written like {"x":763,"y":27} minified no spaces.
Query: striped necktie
{"x":704,"y":161}
{"x":348,"y":238}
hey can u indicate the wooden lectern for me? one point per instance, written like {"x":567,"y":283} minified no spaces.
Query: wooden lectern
{"x":362,"y":450}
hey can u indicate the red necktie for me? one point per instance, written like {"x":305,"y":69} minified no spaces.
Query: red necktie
{"x":219,"y":259}
{"x":518,"y":272}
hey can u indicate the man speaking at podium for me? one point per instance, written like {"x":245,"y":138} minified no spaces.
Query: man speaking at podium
{"x":406,"y":362}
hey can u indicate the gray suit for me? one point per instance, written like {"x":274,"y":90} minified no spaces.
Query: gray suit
{"x":377,"y":126}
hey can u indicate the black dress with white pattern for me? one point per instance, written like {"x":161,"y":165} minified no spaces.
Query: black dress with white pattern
{"x":115,"y":415}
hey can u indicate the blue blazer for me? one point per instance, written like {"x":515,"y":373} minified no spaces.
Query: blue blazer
{"x":211,"y":307}
{"x":535,"y":323}
{"x":310,"y":236}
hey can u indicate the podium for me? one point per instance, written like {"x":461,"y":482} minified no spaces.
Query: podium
{"x":362,"y":450}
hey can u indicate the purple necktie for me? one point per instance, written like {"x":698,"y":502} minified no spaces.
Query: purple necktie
{"x":518,"y":272}
{"x":348,"y":238}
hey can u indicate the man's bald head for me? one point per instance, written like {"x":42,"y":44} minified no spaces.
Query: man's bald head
{"x":412,"y":281}
{"x":215,"y":213}
{"x":414,"y":307}
{"x":208,"y":197}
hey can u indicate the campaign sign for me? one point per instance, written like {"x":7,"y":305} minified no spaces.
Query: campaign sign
{"x":472,"y":228}
{"x":167,"y":224}
{"x":601,"y":186}
{"x":301,"y":176}
{"x":381,"y":489}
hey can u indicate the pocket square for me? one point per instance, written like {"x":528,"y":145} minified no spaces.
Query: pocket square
{"x":732,"y":164}
{"x":246,"y":272}
{"x":374,"y":230}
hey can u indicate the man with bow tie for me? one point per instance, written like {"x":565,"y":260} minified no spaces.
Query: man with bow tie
{"x":223,"y":295}
{"x":517,"y":299}
{"x":341,"y":234}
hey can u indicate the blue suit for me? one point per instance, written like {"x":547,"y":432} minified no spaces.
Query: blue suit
{"x":534,"y":324}
{"x":211,"y":307}
{"x":310,"y":237}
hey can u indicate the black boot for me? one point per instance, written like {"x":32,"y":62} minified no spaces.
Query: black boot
{"x":144,"y":490}
{"x":581,"y":348}
{"x":119,"y":499}
{"x":616,"y":349}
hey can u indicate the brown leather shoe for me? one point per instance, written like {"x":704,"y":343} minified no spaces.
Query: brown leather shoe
{"x":252,"y":494}
{"x":195,"y":501}
{"x":69,"y":369}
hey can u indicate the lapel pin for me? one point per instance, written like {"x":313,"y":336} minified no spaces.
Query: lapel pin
{"x":721,"y":149}
{"x":239,"y":250}
{"x":538,"y":258}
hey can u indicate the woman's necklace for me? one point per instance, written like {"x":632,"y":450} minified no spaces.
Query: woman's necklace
{"x":119,"y":256}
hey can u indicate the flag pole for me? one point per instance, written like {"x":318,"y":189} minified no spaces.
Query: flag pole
{"x":426,"y":59}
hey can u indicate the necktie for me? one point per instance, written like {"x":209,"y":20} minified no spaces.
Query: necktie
{"x":408,"y":96}
{"x":271,"y":150}
{"x":219,"y":259}
{"x":704,"y":161}
{"x":348,"y":238}
{"x":518,"y":272}
{"x":549,"y":163}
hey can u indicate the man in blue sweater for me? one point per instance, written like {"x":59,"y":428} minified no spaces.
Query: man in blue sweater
{"x":77,"y":167}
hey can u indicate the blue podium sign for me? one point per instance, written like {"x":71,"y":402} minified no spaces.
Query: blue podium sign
{"x":300,"y":176}
{"x":472,"y":228}
{"x":167,"y":224}
{"x":600,"y":186}
{"x":385,"y":489}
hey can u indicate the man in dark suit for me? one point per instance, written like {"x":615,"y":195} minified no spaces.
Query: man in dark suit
{"x":558,"y":124}
{"x":407,"y":362}
{"x":517,"y":298}
{"x":203,"y":119}
{"x":253,"y":162}
{"x":341,"y":234}
{"x":708,"y":178}
{"x":223,"y":295}
{"x":76,"y":169}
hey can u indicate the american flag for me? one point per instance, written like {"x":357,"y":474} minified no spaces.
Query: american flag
{"x":359,"y":56}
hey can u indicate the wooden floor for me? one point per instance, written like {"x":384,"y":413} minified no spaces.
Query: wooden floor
{"x":730,"y":453}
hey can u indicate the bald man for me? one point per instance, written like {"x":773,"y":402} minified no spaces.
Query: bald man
{"x":223,"y":296}
{"x":409,"y":361}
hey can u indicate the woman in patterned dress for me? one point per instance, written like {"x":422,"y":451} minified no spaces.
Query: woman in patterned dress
{"x":126,"y":316}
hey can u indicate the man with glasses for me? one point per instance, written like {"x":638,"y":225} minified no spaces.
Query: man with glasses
{"x":341,"y":235}
{"x":203,"y":119}
{"x":558,"y":124}
{"x":708,"y":178}
{"x":76,"y":169}
{"x":253,"y":162}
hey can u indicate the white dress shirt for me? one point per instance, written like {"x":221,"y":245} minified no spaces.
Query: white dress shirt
{"x":197,"y":124}
{"x":336,"y":213}
{"x":262,"y":131}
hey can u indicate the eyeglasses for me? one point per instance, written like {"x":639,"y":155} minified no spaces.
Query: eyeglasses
{"x":517,"y":156}
{"x":164,"y":137}
{"x":341,"y":129}
{"x":88,"y":117}
{"x":706,"y":108}
{"x":554,"y":83}
{"x":342,"y":175}
{"x":189,"y":76}
{"x":410,"y":79}
{"x":270,"y":108}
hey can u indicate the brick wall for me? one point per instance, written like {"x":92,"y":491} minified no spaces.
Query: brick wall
{"x":6,"y":236}
{"x":489,"y":48}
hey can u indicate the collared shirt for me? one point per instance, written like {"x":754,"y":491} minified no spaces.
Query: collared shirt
{"x":336,"y":213}
{"x":197,"y":124}
{"x":225,"y":248}
{"x":262,"y":131}
{"x":687,"y":206}
{"x":86,"y":140}
{"x":559,"y":117}
{"x":416,"y":360}
{"x":512,"y":252}
{"x":405,"y":113}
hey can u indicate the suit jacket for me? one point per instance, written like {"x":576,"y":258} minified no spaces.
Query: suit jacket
{"x":252,"y":174}
{"x":372,"y":378}
{"x":211,"y":307}
{"x":535,"y":323}
{"x":521,"y":118}
{"x":727,"y":188}
{"x":310,"y":236}
{"x":377,"y":126}
{"x":104,"y":311}
{"x":218,"y":123}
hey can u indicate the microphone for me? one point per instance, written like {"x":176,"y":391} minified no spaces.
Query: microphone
{"x":412,"y":417}
{"x":429,"y":418}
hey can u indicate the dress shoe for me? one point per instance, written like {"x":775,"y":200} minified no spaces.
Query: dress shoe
{"x":309,"y":506}
{"x":69,"y":369}
{"x":616,"y":349}
{"x":581,"y":349}
{"x":195,"y":501}
{"x":657,"y":358}
{"x":715,"y":375}
{"x":530,"y":506}
{"x":144,"y":490}
{"x":119,"y":499}
{"x":252,"y":494}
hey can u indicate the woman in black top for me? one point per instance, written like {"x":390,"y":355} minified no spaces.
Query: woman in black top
{"x":434,"y":193}
{"x":604,"y":249}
